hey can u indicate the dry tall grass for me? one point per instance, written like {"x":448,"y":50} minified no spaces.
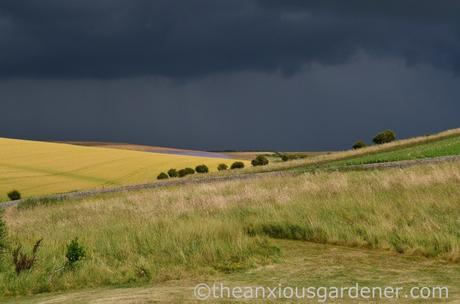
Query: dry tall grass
{"x":178,"y":232}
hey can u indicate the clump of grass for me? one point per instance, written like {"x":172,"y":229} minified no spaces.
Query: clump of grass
{"x":3,"y":234}
{"x":34,"y":202}
{"x":22,"y":261}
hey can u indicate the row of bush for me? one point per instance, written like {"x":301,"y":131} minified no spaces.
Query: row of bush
{"x":258,"y":161}
{"x":384,"y":137}
{"x":198,"y":169}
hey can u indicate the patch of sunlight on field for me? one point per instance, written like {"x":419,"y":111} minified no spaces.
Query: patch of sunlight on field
{"x":38,"y":168}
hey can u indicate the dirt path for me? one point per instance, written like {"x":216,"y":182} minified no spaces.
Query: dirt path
{"x":241,"y":176}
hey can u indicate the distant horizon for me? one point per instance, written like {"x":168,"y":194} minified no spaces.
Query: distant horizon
{"x":368,"y":141}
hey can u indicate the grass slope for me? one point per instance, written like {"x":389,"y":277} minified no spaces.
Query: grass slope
{"x":38,"y":168}
{"x":194,"y":231}
{"x":442,"y":147}
{"x":440,"y":144}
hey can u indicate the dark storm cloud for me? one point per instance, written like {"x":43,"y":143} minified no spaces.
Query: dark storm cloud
{"x":186,"y":39}
{"x":211,"y":74}
{"x":321,"y":108}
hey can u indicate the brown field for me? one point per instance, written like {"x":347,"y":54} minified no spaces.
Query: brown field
{"x":146,"y":148}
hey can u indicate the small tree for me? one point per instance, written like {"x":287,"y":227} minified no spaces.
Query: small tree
{"x":359,"y":144}
{"x":162,"y":175}
{"x":75,"y":252}
{"x":237,"y":165}
{"x":14,"y":195}
{"x":202,"y":169}
{"x":384,"y":137}
{"x":172,"y":173}
{"x":260,"y":160}
{"x":222,"y":167}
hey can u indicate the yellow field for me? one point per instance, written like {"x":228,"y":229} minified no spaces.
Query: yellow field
{"x":38,"y":168}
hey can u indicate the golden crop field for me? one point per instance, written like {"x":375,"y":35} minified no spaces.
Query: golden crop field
{"x":38,"y":168}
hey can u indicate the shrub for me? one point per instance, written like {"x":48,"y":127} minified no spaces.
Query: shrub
{"x":172,"y":173}
{"x":14,"y":195}
{"x":3,"y":233}
{"x":222,"y":167}
{"x":290,"y":156}
{"x":359,"y":144}
{"x":162,"y":175}
{"x":237,"y":165}
{"x":182,"y":173}
{"x":23,"y":261}
{"x":189,"y":170}
{"x":260,"y":160}
{"x":384,"y":137}
{"x":284,"y":157}
{"x":202,"y":169}
{"x":186,"y":171}
{"x":75,"y":252}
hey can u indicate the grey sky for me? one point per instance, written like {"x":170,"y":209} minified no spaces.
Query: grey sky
{"x":280,"y":75}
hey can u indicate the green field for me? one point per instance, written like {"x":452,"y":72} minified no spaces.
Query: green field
{"x":443,"y":147}
{"x":194,"y":232}
{"x":40,"y":168}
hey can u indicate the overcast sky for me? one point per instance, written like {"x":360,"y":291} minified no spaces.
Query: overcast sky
{"x":233,"y":74}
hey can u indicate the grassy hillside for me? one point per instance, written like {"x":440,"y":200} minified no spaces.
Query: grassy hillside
{"x":193,"y":231}
{"x":37,"y":168}
{"x":440,"y":144}
{"x":442,"y":147}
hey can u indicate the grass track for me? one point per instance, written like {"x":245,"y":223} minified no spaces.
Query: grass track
{"x":303,"y":264}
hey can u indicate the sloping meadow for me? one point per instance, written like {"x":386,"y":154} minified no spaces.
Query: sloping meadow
{"x":197,"y":230}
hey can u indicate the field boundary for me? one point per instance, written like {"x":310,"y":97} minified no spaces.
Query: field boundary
{"x":242,"y":176}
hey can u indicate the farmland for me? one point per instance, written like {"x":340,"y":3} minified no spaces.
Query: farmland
{"x":38,"y":168}
{"x":196,"y":231}
{"x":376,"y":227}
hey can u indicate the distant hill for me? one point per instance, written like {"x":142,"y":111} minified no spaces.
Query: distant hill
{"x":145,"y":148}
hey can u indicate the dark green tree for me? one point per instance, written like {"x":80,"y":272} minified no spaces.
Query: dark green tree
{"x":384,"y":137}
